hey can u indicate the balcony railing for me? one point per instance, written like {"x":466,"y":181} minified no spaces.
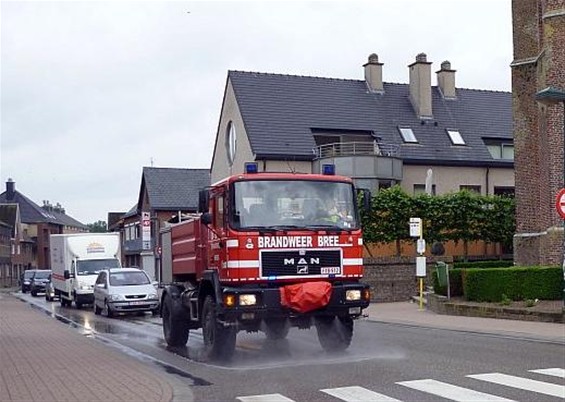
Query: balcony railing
{"x":356,"y":148}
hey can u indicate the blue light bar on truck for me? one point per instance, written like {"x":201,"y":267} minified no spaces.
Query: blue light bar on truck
{"x":251,"y":167}
{"x":328,"y":169}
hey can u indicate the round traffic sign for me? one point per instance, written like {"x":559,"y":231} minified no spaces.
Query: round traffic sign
{"x":560,"y":203}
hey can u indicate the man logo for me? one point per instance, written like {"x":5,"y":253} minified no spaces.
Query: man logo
{"x":302,"y":269}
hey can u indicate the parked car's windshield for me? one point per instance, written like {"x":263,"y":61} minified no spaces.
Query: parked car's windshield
{"x":128,"y":278}
{"x":42,"y":275}
{"x":93,"y":267}
{"x":28,"y":274}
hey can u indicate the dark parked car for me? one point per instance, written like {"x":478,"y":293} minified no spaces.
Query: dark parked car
{"x":25,"y":280}
{"x":39,"y":280}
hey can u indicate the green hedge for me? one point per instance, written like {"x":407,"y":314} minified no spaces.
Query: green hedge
{"x":520,"y":283}
{"x":484,"y":264}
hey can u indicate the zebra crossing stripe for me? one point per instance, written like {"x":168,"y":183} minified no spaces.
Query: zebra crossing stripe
{"x":357,"y":394}
{"x":555,"y":372}
{"x":452,"y":392}
{"x":522,"y":383}
{"x":265,"y":398}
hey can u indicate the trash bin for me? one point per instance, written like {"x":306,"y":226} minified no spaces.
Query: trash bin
{"x":442,"y":271}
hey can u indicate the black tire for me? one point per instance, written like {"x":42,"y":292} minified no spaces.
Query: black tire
{"x":106,"y":310}
{"x":219,"y":340}
{"x":47,"y":298}
{"x":34,"y":293}
{"x":155,"y":312}
{"x":97,"y":310}
{"x":175,"y":329}
{"x":78,"y":305}
{"x":276,"y":329}
{"x":334,"y":334}
{"x":64,"y":302}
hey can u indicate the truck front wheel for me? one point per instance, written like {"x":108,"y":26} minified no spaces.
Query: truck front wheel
{"x":175,"y":329}
{"x":219,"y":340}
{"x":276,"y":329}
{"x":334,"y":333}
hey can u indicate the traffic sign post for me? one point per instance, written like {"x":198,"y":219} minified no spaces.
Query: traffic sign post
{"x":560,"y":206}
{"x":560,"y":203}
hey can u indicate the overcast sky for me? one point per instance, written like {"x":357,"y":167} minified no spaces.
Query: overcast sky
{"x":93,"y":91}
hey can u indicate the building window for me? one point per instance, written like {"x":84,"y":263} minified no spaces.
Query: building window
{"x":471,"y":188}
{"x":407,"y":135}
{"x":504,"y":191}
{"x":500,"y":149}
{"x":421,"y":189}
{"x":456,"y":137}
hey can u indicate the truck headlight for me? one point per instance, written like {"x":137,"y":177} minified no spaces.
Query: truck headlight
{"x":247,"y":300}
{"x":152,"y":296}
{"x":352,"y":294}
{"x":114,"y":297}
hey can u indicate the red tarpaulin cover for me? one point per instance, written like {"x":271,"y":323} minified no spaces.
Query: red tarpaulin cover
{"x":305,"y":297}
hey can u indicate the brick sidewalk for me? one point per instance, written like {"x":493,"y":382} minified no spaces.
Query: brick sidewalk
{"x":42,"y":360}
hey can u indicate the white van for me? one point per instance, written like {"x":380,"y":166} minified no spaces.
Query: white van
{"x":76,"y":260}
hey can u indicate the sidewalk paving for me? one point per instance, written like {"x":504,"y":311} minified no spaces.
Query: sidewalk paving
{"x":409,"y":313}
{"x":42,"y":360}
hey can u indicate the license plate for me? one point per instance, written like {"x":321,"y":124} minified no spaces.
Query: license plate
{"x":330,"y":270}
{"x":136,"y":303}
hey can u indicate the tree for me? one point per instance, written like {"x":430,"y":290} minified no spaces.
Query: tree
{"x":97,"y":227}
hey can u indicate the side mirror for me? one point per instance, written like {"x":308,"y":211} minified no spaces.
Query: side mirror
{"x":206,"y":218}
{"x":66,"y":274}
{"x":203,"y":201}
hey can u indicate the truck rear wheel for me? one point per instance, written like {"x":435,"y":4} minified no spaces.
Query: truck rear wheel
{"x":334,"y":334}
{"x":219,"y":340}
{"x":276,"y":329}
{"x":175,"y":330}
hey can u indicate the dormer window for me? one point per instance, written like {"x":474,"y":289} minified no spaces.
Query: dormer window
{"x":500,"y":149}
{"x":407,"y":135}
{"x":455,"y":137}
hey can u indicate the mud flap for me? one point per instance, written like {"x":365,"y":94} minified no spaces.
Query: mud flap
{"x":305,"y":297}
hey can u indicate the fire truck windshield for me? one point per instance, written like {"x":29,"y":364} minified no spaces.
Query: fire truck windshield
{"x":293,"y":205}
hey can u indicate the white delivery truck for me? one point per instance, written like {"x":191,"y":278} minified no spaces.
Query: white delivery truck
{"x":76,"y":260}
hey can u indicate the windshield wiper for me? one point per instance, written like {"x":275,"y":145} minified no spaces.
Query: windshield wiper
{"x":328,"y":227}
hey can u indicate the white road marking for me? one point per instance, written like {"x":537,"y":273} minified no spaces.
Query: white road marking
{"x":265,"y":398}
{"x":357,"y":394}
{"x":522,"y":383}
{"x":450,"y":391}
{"x":555,"y":372}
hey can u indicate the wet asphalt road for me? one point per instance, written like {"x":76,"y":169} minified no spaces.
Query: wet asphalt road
{"x":381,"y":356}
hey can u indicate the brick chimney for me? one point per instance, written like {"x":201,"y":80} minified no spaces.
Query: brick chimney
{"x":446,"y":81}
{"x":421,"y":86}
{"x":10,"y":190}
{"x":374,"y":74}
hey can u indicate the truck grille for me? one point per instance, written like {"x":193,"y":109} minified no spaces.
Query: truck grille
{"x":300,"y":262}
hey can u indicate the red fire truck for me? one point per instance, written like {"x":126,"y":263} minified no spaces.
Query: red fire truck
{"x":268,"y":251}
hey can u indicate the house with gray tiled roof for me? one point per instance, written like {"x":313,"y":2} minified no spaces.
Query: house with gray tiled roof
{"x":378,"y":133}
{"x":39,"y":222}
{"x":164,"y":195}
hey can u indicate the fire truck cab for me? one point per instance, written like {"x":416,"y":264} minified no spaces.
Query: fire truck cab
{"x":268,"y":252}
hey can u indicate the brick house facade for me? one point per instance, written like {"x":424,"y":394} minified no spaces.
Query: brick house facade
{"x":539,"y":62}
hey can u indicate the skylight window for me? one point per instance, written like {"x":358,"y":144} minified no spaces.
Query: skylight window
{"x":407,"y":134}
{"x":455,"y":137}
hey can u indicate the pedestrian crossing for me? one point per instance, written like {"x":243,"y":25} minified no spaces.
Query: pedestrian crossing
{"x":443,"y":389}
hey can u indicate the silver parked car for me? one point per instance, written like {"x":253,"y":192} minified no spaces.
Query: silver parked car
{"x":124,"y":290}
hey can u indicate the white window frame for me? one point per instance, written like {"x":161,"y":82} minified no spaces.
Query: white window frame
{"x":456,"y":137}
{"x":408,"y":135}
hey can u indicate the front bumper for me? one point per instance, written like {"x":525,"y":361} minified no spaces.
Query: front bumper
{"x":134,"y":306}
{"x":269,"y":304}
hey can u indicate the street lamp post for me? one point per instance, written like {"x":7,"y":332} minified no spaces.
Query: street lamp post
{"x":552,"y":96}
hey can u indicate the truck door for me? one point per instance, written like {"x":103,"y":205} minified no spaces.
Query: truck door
{"x":218,"y":253}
